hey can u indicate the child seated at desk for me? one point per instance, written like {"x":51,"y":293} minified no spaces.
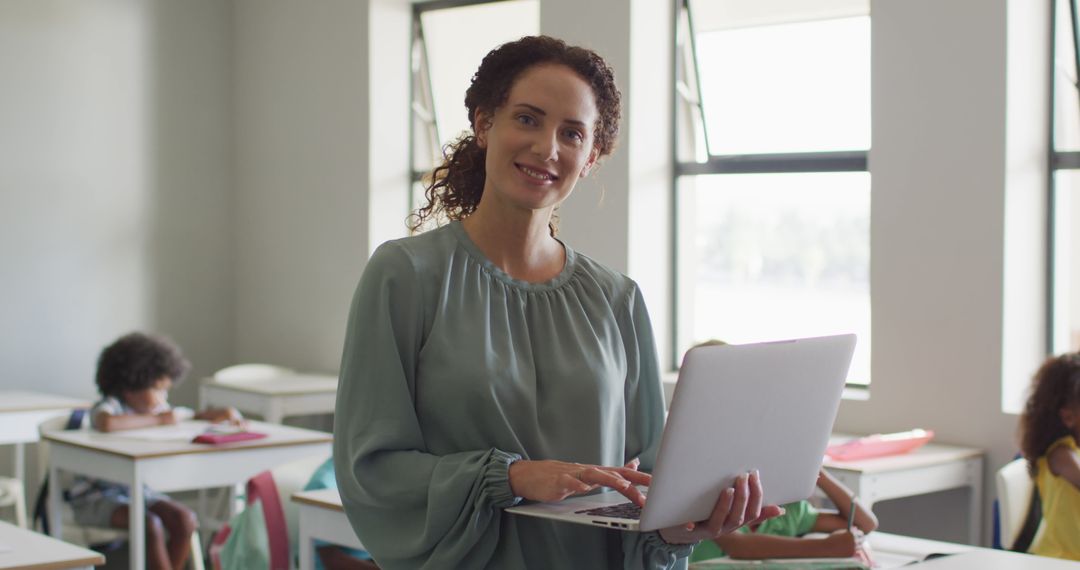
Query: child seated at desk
{"x":134,"y":376}
{"x":1049,"y":437}
{"x":781,"y":537}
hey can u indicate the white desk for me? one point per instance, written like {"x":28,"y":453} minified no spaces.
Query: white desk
{"x":986,"y":559}
{"x":22,"y":549}
{"x":20,"y":415}
{"x":276,"y":398}
{"x":171,"y":465}
{"x":931,"y":468}
{"x":322,"y":518}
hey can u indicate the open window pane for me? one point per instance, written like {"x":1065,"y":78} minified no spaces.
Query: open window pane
{"x":773,"y":83}
{"x":457,"y":40}
{"x":773,"y":256}
{"x":1066,"y":101}
{"x":1066,"y":261}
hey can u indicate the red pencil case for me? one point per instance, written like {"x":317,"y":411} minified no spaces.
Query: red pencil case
{"x":227,"y":437}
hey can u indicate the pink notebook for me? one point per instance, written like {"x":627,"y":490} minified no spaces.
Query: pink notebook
{"x":880,"y":445}
{"x":227,"y":437}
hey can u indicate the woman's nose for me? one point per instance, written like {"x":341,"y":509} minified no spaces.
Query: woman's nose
{"x":546,"y":146}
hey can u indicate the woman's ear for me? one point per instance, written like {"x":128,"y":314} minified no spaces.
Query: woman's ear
{"x":590,"y":163}
{"x":481,"y":126}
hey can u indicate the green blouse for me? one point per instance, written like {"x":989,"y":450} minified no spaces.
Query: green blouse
{"x":452,"y":370}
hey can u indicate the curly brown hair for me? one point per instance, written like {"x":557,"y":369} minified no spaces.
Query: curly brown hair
{"x":454,"y":187}
{"x":1055,"y":386}
{"x":136,"y":361}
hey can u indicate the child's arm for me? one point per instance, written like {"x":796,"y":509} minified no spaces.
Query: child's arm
{"x":107,"y":422}
{"x":1065,"y":463}
{"x":841,"y":497}
{"x":229,"y":414}
{"x":840,"y":544}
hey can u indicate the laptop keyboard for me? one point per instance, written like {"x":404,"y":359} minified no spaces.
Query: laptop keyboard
{"x":620,"y":511}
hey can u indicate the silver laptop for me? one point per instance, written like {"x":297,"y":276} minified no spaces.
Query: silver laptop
{"x":767,"y":406}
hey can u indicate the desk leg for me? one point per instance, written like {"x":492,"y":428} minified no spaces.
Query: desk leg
{"x":137,"y":523}
{"x":307,"y":544}
{"x":20,"y":464}
{"x":55,"y":498}
{"x":274,"y":413}
{"x":975,"y":486}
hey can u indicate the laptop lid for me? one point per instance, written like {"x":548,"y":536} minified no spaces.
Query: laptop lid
{"x":767,"y":406}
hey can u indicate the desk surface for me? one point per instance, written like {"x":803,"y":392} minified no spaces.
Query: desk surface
{"x":985,"y":559}
{"x":929,"y":454}
{"x":328,"y":499}
{"x":116,"y":443}
{"x":24,"y":549}
{"x":21,"y":401}
{"x":293,"y":384}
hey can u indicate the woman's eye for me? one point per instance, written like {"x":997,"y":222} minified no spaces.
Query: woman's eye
{"x":576,"y":136}
{"x":526,"y":120}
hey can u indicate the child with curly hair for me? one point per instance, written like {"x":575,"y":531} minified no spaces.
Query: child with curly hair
{"x":134,"y":376}
{"x":1049,"y":432}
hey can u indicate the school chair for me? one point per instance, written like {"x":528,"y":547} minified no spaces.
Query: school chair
{"x":96,"y":538}
{"x":1019,"y":506}
{"x":12,"y":496}
{"x":245,"y":373}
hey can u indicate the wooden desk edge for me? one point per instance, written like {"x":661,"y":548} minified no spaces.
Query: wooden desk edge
{"x":97,"y":560}
{"x":302,"y":498}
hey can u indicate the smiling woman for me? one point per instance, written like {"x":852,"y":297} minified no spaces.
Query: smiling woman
{"x":486,"y":362}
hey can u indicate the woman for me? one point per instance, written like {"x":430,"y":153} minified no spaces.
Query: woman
{"x":486,"y":362}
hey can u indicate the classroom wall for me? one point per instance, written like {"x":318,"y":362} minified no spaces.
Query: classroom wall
{"x":313,"y":138}
{"x":115,"y":176}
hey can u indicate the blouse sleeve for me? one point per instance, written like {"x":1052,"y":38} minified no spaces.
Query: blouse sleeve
{"x":645,"y":423}
{"x":410,"y":508}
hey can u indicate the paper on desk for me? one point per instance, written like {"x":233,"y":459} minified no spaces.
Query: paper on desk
{"x":781,"y":564}
{"x":185,"y":431}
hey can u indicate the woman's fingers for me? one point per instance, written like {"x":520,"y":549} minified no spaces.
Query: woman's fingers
{"x":737,"y":515}
{"x":634,"y":476}
{"x":757,"y":495}
{"x":620,"y":479}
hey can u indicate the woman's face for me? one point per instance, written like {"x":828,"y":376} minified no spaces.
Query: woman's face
{"x":541,"y":140}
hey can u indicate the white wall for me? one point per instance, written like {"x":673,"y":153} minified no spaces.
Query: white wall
{"x":307,"y":155}
{"x":114,"y":172}
{"x":942,"y":176}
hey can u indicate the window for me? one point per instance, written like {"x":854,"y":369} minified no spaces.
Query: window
{"x":772,"y":188}
{"x":450,"y":38}
{"x":1064,"y":199}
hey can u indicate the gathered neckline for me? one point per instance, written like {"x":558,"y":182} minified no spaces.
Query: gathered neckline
{"x":473,"y":250}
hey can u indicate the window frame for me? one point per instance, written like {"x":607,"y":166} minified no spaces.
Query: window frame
{"x":1057,"y":161}
{"x":749,"y":163}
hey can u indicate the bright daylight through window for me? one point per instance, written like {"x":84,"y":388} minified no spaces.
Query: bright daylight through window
{"x":450,"y":38}
{"x":1065,"y":183}
{"x":773,"y":193}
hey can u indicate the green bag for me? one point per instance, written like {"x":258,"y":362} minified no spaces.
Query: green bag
{"x":247,"y":545}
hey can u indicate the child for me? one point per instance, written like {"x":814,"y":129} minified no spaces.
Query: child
{"x":781,"y":537}
{"x":330,"y":556}
{"x":1049,"y":432}
{"x":134,"y":376}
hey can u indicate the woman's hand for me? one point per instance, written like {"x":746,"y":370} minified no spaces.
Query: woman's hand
{"x":549,"y":481}
{"x":737,"y":506}
{"x":166,"y":418}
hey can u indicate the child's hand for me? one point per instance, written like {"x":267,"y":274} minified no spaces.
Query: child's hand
{"x":228,"y":415}
{"x":843,"y":543}
{"x":167,"y":418}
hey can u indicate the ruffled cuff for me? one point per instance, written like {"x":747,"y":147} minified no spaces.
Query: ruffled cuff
{"x":496,"y":479}
{"x":661,"y":553}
